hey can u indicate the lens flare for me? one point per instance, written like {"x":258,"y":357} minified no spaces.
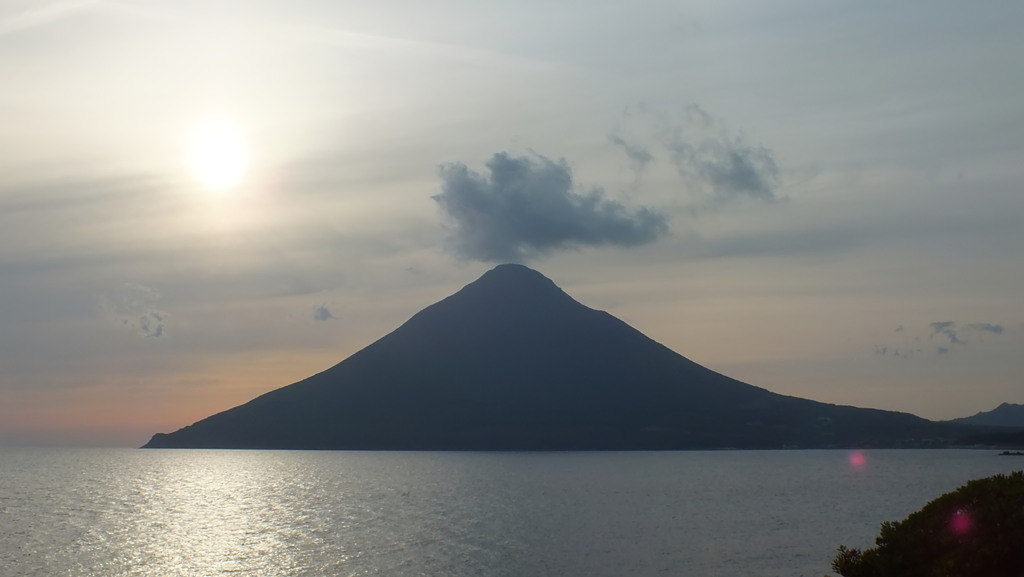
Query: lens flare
{"x":857,"y":459}
{"x":961,"y":522}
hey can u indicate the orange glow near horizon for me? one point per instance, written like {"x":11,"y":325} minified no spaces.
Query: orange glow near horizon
{"x":103,"y":414}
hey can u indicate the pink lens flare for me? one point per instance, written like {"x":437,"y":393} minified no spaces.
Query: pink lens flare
{"x":857,"y":459}
{"x":961,"y":522}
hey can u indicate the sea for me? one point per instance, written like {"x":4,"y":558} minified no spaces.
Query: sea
{"x":113,"y":512}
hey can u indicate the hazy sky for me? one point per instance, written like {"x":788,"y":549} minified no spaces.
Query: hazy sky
{"x":822,"y":198}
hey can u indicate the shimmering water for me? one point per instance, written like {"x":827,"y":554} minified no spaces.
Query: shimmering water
{"x":203,"y":513}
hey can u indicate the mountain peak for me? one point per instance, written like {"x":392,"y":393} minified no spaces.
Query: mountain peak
{"x":512,"y":267}
{"x":518,"y":275}
{"x":1005,"y":415}
{"x":511,"y":287}
{"x":513,"y":362}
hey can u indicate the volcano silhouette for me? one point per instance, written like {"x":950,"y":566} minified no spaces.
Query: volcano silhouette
{"x":511,"y":362}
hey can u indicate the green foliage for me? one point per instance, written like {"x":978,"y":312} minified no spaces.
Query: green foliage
{"x":976,"y":530}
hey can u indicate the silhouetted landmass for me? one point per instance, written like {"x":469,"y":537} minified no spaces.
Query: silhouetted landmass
{"x":511,"y":362}
{"x":976,"y":530}
{"x":1001,"y":427}
{"x":1005,"y":415}
{"x":999,"y":439}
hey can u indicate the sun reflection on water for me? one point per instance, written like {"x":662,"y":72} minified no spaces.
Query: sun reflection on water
{"x":281,"y":513}
{"x":213,"y":517}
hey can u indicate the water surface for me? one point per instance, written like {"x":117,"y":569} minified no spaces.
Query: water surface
{"x":275,"y":513}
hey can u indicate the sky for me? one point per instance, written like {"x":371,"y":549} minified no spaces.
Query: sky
{"x":204,"y":201}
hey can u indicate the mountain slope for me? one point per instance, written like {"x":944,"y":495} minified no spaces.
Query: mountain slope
{"x":1005,"y":415}
{"x":513,"y":362}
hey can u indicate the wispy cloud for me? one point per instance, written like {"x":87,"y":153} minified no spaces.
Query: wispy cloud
{"x":639,"y":155}
{"x":897,"y":351}
{"x":948,"y":333}
{"x":986,"y":327}
{"x":731,"y":172}
{"x":322,"y":313}
{"x":718,"y":166}
{"x":946,"y":329}
{"x":151,"y":324}
{"x":528,"y":206}
{"x":960,"y":334}
{"x":42,"y":15}
{"x":134,"y":306}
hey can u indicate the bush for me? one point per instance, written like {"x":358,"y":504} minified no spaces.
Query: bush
{"x":976,"y":530}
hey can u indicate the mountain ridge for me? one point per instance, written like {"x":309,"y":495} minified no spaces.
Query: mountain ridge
{"x":1005,"y":415}
{"x":512,"y":362}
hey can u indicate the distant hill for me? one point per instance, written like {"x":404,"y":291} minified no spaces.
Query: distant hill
{"x":1005,"y":415}
{"x":511,"y":362}
{"x":1003,"y":438}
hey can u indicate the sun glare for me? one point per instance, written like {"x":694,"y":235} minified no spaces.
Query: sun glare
{"x":217,"y":154}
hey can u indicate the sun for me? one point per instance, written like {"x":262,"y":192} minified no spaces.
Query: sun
{"x":217,"y":153}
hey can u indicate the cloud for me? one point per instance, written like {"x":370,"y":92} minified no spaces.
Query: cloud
{"x":946,"y":329}
{"x":527,"y":208}
{"x":151,"y":324}
{"x":322,"y":313}
{"x":639,"y":156}
{"x":949,"y":331}
{"x":717,"y":165}
{"x":707,"y":154}
{"x":896,"y":352}
{"x":986,"y":327}
{"x":134,"y":306}
{"x":959,"y":335}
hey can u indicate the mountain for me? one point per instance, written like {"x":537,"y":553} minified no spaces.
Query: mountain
{"x":1005,"y":415}
{"x":511,"y":362}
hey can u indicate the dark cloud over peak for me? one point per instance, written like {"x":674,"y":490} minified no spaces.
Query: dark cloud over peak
{"x":528,"y":206}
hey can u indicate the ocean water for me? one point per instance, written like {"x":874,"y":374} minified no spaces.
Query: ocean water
{"x":274,"y":513}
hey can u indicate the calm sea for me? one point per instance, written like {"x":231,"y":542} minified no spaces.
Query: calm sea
{"x":204,"y":513}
